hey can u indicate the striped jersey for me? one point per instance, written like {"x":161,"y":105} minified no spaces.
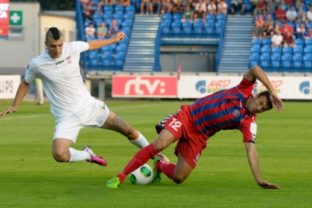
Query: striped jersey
{"x":225,"y":110}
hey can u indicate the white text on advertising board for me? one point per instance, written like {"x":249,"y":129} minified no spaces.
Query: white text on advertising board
{"x":138,"y":83}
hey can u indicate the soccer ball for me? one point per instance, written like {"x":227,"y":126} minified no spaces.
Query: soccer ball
{"x":143,"y":175}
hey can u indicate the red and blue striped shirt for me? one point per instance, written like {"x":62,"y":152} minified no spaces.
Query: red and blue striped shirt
{"x":225,"y":110}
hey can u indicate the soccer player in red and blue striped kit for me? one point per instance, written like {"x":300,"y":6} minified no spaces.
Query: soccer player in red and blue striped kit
{"x":194,"y":124}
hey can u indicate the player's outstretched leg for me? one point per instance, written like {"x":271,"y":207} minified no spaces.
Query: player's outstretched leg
{"x":94,"y":158}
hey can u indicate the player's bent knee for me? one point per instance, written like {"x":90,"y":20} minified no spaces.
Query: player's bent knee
{"x":60,"y":156}
{"x":179,"y":179}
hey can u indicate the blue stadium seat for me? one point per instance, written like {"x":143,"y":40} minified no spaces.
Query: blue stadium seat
{"x":265,"y":49}
{"x":286,"y":60}
{"x":256,"y":41}
{"x":287,"y":50}
{"x":299,"y":41}
{"x":119,"y":9}
{"x":298,"y":49}
{"x":108,"y":8}
{"x":177,"y":17}
{"x":276,"y":60}
{"x":130,"y":9}
{"x":255,"y":48}
{"x":308,"y":42}
{"x":266,"y":41}
{"x":209,"y":30}
{"x":265,"y":57}
{"x":254,"y":57}
{"x":308,"y":49}
{"x":297,"y":60}
{"x":307,"y":60}
{"x":276,"y":50}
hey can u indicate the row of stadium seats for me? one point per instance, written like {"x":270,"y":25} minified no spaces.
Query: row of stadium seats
{"x":173,"y":24}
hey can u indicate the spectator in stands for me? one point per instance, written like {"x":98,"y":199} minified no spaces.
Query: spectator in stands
{"x":291,"y":14}
{"x":270,"y":7}
{"x":90,"y":31}
{"x":125,"y":3}
{"x":156,"y":6}
{"x":200,"y":5}
{"x":308,"y":34}
{"x":280,"y":13}
{"x":268,"y":31}
{"x":146,"y":7}
{"x":188,"y":13}
{"x":259,"y":26}
{"x":302,"y":18}
{"x":277,"y":39}
{"x":300,"y":30}
{"x":212,"y":7}
{"x":101,"y":5}
{"x":222,"y":7}
{"x":289,"y":3}
{"x":88,"y":10}
{"x":309,"y":13}
{"x":166,"y":6}
{"x":113,"y":28}
{"x":268,"y":20}
{"x":288,"y":39}
{"x":260,"y":8}
{"x":177,"y":7}
{"x":101,"y":31}
{"x":286,"y":27}
{"x":300,"y":6}
{"x":237,"y":6}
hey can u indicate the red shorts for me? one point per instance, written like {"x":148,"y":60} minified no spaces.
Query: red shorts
{"x":191,"y":142}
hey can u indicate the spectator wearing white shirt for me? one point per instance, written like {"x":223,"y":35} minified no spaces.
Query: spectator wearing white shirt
{"x":277,"y":39}
{"x":291,"y":14}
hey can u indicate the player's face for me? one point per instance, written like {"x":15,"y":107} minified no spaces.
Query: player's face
{"x":55,"y":47}
{"x":257,"y":104}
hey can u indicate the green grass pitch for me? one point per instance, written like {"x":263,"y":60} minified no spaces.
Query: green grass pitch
{"x":30,"y":178}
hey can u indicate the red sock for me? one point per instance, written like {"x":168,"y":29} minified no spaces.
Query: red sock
{"x":139,"y":159}
{"x":166,"y":168}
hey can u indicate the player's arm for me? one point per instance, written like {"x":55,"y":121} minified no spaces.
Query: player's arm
{"x":253,"y":160}
{"x":257,"y":73}
{"x":20,"y":94}
{"x":95,"y":44}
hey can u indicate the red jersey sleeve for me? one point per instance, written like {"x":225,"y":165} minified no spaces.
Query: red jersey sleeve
{"x":249,"y":129}
{"x":246,"y":87}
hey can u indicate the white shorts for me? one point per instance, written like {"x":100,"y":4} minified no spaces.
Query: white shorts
{"x":94,"y":115}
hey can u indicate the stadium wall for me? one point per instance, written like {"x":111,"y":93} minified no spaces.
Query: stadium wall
{"x":22,"y":43}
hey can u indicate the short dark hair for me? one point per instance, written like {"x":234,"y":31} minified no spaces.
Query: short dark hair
{"x":267,"y":94}
{"x":53,"y":33}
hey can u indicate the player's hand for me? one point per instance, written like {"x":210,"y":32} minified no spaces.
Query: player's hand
{"x":8,"y":110}
{"x":268,"y":185}
{"x":277,"y":102}
{"x":119,"y":36}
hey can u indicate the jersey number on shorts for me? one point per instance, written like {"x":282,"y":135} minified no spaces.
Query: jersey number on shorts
{"x":175,"y":124}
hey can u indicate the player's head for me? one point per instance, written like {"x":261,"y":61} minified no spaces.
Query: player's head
{"x":260,"y":103}
{"x":54,"y":42}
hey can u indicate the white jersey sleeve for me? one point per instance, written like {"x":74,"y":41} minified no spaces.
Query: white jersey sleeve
{"x":79,"y":46}
{"x":30,"y":73}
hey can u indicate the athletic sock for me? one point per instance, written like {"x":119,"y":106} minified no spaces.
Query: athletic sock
{"x":139,"y":159}
{"x":77,"y":155}
{"x":166,"y":168}
{"x":140,"y":142}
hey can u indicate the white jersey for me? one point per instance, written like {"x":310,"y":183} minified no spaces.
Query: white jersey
{"x":62,"y":81}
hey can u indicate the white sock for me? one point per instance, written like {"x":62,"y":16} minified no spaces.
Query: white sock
{"x":140,"y":141}
{"x":78,"y":155}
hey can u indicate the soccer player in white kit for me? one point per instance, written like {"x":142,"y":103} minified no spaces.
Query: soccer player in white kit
{"x":71,"y":103}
